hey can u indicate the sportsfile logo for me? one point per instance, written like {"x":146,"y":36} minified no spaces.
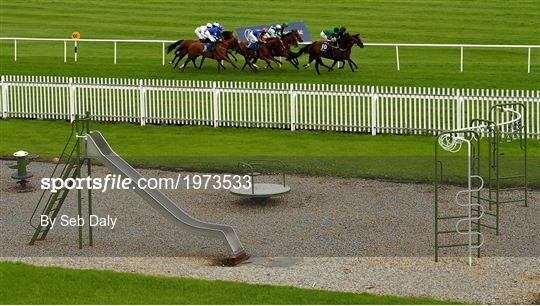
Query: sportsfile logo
{"x":118,"y":182}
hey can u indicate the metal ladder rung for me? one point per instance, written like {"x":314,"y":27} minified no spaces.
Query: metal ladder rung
{"x":455,"y":245}
{"x":452,"y":217}
{"x":485,"y":212}
{"x":484,"y":225}
{"x":512,"y":201}
{"x":512,"y":188}
{"x":483,"y":199}
{"x":511,"y":177}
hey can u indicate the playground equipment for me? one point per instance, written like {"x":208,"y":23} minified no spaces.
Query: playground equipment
{"x":22,"y":174}
{"x":262,"y":191}
{"x":507,"y":122}
{"x":92,"y":145}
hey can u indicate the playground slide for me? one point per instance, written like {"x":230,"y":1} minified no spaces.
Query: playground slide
{"x":98,"y":148}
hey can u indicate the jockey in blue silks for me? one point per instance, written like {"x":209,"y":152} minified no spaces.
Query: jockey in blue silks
{"x":255,"y":37}
{"x":213,"y":35}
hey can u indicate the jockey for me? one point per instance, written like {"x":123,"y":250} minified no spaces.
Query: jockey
{"x":284,"y":26}
{"x":276,"y":30}
{"x":330,"y":35}
{"x":255,"y":37}
{"x":201,"y":31}
{"x":341,"y":32}
{"x":214,"y":33}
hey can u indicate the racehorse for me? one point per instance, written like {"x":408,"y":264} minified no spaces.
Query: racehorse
{"x":319,"y":50}
{"x":263,"y":52}
{"x":289,"y":39}
{"x":356,"y":39}
{"x":182,"y":45}
{"x":219,"y":54}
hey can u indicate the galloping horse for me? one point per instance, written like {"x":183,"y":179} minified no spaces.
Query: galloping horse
{"x":292,"y":38}
{"x":319,"y":50}
{"x":264,"y":52}
{"x":182,"y":46}
{"x":355,"y":40}
{"x":289,"y":39}
{"x":220,"y":52}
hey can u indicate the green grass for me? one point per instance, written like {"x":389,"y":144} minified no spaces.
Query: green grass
{"x":25,"y":284}
{"x":389,"y":157}
{"x":424,"y":21}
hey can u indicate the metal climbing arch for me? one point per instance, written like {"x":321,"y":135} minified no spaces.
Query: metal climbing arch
{"x":483,"y":196}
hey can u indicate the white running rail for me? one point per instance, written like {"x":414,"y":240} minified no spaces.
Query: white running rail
{"x":163,"y":42}
{"x":328,"y":107}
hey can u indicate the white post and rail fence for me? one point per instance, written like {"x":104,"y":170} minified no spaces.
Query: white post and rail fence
{"x":329,"y":107}
{"x":397,"y":46}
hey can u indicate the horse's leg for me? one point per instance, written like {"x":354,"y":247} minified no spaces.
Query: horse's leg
{"x":180,"y":57}
{"x":249,"y":63}
{"x":292,"y":63}
{"x":228,"y":60}
{"x":350,"y":65}
{"x":332,"y":67}
{"x":245,"y":64}
{"x":202,"y":61}
{"x":184,"y":65}
{"x":174,"y":58}
{"x":311,"y":58}
{"x":277,"y":62}
{"x":231,"y":54}
{"x":317,"y":66}
{"x":351,"y":61}
{"x":268,"y":63}
{"x":322,"y":63}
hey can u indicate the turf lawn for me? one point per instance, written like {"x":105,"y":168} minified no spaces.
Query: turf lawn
{"x":25,"y":284}
{"x":389,"y":157}
{"x":421,"y":21}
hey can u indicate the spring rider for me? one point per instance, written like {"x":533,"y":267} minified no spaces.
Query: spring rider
{"x":22,"y":174}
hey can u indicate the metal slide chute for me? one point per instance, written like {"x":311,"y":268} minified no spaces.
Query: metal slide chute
{"x":98,"y":148}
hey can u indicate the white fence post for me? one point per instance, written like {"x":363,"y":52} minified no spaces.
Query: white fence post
{"x":163,"y":54}
{"x":4,"y":98}
{"x":65,"y":51}
{"x":461,"y":61}
{"x":76,"y":51}
{"x":115,"y":52}
{"x":397,"y":57}
{"x":529,"y":61}
{"x":374,"y":112}
{"x":292,"y":112}
{"x":215,"y":98}
{"x":142,"y":103}
{"x":459,"y":110}
{"x":15,"y":50}
{"x":71,"y":100}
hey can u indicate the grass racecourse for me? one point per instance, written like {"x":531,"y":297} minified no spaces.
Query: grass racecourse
{"x":423,"y":21}
{"x":314,"y":153}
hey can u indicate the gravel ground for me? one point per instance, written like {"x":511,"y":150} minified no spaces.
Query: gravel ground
{"x":329,"y":233}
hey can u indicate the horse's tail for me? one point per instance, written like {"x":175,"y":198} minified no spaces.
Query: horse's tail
{"x":173,"y":45}
{"x":300,"y":52}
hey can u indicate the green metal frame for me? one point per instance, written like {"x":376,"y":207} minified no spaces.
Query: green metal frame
{"x":492,"y":131}
{"x":75,"y":160}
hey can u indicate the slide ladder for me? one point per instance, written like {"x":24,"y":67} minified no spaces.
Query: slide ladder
{"x":50,"y":203}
